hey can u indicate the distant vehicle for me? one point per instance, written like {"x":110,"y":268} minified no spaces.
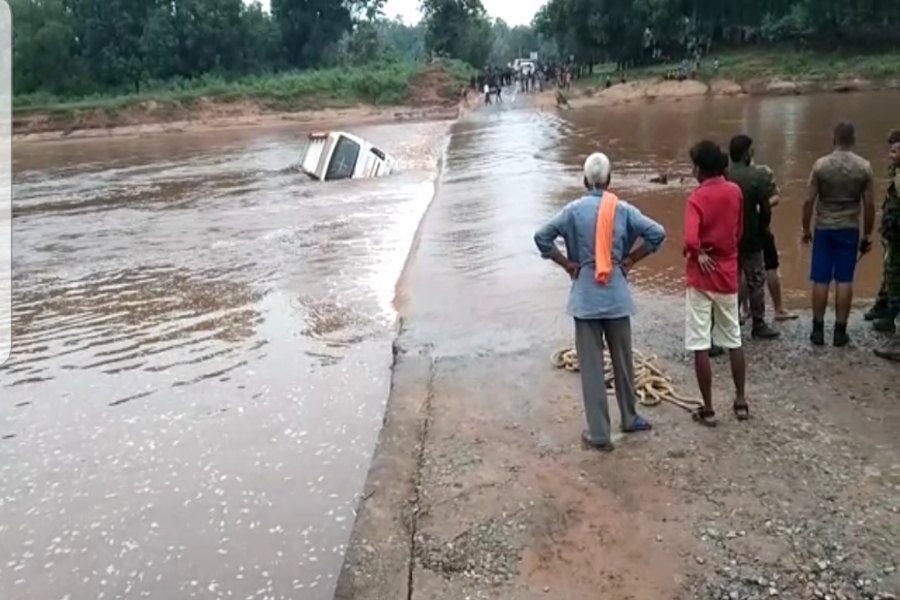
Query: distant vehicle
{"x":524,"y":67}
{"x":334,"y":155}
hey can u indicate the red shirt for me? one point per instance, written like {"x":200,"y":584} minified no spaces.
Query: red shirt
{"x":713,"y":221}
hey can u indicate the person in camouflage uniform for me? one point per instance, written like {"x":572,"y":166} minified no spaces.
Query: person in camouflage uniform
{"x":758,"y":188}
{"x":890,"y":235}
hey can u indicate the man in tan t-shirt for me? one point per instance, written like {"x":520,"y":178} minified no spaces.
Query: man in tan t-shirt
{"x":840,"y":187}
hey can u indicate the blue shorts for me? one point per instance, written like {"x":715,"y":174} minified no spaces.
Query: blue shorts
{"x":834,"y":255}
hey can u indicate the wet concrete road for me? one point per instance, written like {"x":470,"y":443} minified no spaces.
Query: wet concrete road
{"x":202,"y":338}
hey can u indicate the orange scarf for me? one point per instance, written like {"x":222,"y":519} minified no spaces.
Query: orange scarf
{"x":603,"y":240}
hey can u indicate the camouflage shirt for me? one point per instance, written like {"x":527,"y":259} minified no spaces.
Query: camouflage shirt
{"x":758,"y":186}
{"x":839,"y":181}
{"x":890,"y":210}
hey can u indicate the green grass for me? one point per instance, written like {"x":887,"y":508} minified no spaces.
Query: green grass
{"x":384,"y":84}
{"x":790,"y":64}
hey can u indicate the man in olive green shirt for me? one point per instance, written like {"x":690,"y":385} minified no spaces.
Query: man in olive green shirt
{"x":840,"y":189}
{"x":758,"y":187}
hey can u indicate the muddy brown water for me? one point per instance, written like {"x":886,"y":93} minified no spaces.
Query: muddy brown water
{"x":202,"y":337}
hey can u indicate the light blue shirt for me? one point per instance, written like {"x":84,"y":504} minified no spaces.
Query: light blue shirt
{"x":577,"y":224}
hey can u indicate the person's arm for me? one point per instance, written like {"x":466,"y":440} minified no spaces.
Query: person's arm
{"x":812,"y":194}
{"x":692,"y":220}
{"x":651,"y":233}
{"x":545,"y":240}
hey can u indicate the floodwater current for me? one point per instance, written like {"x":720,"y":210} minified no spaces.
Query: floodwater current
{"x":202,"y":336}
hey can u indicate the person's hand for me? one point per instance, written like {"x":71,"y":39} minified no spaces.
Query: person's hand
{"x":865,"y":245}
{"x":626,"y":265}
{"x":572,"y":268}
{"x":806,"y":238}
{"x":706,"y":262}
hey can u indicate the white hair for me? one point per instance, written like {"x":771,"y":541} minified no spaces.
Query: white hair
{"x":597,"y":169}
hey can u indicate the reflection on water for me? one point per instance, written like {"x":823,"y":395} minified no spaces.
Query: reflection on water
{"x":202,"y":339}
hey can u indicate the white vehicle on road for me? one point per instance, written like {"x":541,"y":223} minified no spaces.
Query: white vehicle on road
{"x":334,"y":155}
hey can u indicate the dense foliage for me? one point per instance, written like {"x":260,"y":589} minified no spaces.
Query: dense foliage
{"x":633,"y":31}
{"x":76,"y":48}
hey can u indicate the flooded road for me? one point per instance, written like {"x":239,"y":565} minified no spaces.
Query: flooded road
{"x":510,"y":170}
{"x":202,"y":343}
{"x":202,"y":337}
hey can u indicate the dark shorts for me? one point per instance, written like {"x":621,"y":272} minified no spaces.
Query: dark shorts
{"x":770,"y":252}
{"x":834,"y":255}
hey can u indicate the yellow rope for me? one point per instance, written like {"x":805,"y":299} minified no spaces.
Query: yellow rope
{"x":651,"y":385}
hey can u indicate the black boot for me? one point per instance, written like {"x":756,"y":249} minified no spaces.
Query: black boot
{"x":879,"y":311}
{"x":841,"y":338}
{"x":885,"y":322}
{"x":762,"y":331}
{"x":817,"y":337}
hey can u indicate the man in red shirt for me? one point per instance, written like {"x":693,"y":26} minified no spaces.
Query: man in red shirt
{"x":713,"y":223}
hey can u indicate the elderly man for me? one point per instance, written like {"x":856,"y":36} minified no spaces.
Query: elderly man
{"x":600,"y":233}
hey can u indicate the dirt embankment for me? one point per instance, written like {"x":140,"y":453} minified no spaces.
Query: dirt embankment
{"x":654,"y":89}
{"x":433,"y":95}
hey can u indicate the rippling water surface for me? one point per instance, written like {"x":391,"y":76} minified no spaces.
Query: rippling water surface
{"x":202,"y":341}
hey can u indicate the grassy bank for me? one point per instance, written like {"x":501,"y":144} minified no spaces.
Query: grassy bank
{"x":787,"y":64}
{"x":378,"y":85}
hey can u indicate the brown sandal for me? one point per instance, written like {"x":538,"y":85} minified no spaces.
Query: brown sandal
{"x":705,"y":416}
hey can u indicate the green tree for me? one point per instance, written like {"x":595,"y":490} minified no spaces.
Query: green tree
{"x":44,"y":48}
{"x":458,"y":29}
{"x":310,"y":27}
{"x":109,"y":34}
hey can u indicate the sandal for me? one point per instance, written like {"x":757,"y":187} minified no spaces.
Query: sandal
{"x":638,"y":425}
{"x":741,"y":411}
{"x":590,"y":444}
{"x":705,"y":416}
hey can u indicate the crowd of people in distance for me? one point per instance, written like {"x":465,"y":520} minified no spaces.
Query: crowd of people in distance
{"x":730,"y":259}
{"x":530,"y":79}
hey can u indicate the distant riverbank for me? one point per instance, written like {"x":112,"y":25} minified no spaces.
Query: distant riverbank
{"x":739,"y":73}
{"x":360,"y":95}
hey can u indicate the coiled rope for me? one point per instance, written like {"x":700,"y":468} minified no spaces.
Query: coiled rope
{"x":651,"y":385}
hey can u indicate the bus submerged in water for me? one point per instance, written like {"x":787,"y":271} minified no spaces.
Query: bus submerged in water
{"x":333,"y":155}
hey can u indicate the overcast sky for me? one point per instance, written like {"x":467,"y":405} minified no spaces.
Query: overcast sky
{"x":514,"y":12}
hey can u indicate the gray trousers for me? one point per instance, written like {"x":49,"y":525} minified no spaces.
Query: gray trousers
{"x":589,"y":335}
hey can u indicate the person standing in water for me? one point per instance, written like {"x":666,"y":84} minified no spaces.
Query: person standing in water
{"x":600,"y":232}
{"x":840,"y":187}
{"x":713,"y":224}
{"x":890,"y":235}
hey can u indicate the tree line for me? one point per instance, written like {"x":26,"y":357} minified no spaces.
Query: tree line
{"x":637,"y":31}
{"x":81,"y":47}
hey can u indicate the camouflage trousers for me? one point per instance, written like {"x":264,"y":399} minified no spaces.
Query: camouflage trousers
{"x":753,"y":272}
{"x":889,"y":293}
